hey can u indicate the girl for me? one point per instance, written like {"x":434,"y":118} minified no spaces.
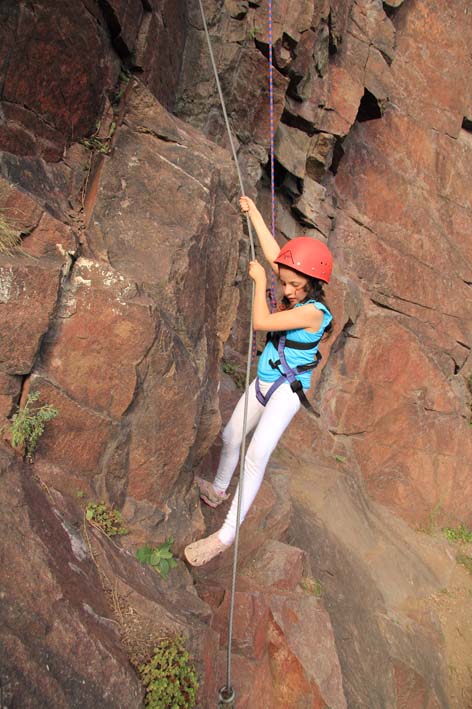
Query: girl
{"x":283,"y":372}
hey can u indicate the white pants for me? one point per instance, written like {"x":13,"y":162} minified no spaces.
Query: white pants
{"x":270,"y":422}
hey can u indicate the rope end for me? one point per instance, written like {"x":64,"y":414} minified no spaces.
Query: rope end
{"x":227,"y":696}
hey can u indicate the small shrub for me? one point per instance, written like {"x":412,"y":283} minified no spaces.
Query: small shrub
{"x":169,"y":677}
{"x":253,"y":32}
{"x":458,"y":534}
{"x":108,"y":519}
{"x":235,"y":373}
{"x":311,"y":586}
{"x":27,"y":425}
{"x":431,"y":527}
{"x":123,"y":81}
{"x":466,"y":561}
{"x":160,"y":558}
{"x":98,"y":145}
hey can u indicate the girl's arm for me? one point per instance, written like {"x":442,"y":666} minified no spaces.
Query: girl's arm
{"x":269,"y":246}
{"x":306,"y":316}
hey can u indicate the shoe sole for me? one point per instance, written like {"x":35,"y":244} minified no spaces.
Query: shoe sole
{"x":208,"y":502}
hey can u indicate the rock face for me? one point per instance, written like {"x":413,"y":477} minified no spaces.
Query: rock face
{"x":362,"y":161}
{"x":114,"y":173}
{"x":57,"y":638}
{"x":284,"y":651}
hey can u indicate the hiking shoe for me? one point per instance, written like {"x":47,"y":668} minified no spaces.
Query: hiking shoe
{"x":204,"y":550}
{"x":208,"y":494}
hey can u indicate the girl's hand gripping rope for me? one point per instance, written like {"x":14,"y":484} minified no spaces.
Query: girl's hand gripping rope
{"x":247,"y":205}
{"x":257,"y":273}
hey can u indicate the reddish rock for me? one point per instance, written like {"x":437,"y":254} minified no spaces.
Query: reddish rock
{"x":28,"y":296}
{"x":251,"y":681}
{"x":53,"y":239}
{"x":112,"y":361}
{"x":250,"y":115}
{"x":378,"y":79}
{"x":301,"y":636}
{"x":75,"y":441}
{"x":124,"y":19}
{"x":285,"y":631}
{"x":370,"y":24}
{"x":312,"y":52}
{"x":243,"y":78}
{"x":406,"y":467}
{"x":412,"y":691}
{"x":291,"y":17}
{"x":373,"y":569}
{"x":160,"y":48}
{"x":339,"y":22}
{"x":291,"y":146}
{"x":430,"y":84}
{"x":320,"y":155}
{"x":291,"y":686}
{"x":313,"y":208}
{"x":404,"y":215}
{"x":60,"y":644}
{"x":99,"y":305}
{"x":277,"y":567}
{"x":19,"y":210}
{"x":152,"y":607}
{"x":55,"y":79}
{"x":251,"y":618}
{"x":153,"y":143}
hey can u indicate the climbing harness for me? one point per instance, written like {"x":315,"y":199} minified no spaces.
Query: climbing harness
{"x":287,"y":373}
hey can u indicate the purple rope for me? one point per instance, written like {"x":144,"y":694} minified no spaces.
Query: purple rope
{"x":272,"y":298}
{"x":271,"y":294}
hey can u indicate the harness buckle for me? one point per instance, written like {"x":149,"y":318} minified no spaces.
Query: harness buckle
{"x":296,"y":386}
{"x":275,"y":365}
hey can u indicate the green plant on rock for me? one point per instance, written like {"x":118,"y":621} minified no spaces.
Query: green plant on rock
{"x":253,"y":32}
{"x":160,"y":558}
{"x":28,"y":423}
{"x":431,"y":527}
{"x":465,"y":561}
{"x":311,"y":586}
{"x":98,"y":145}
{"x":108,"y":519}
{"x":233,"y":371}
{"x":169,"y":677}
{"x":123,"y":81}
{"x":458,"y":534}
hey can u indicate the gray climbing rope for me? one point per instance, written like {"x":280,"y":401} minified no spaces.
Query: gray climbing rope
{"x":227,"y":693}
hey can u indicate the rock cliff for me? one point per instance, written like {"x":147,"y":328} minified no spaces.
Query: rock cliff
{"x":129,"y":289}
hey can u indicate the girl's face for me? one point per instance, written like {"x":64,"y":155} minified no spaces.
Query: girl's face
{"x":293,"y":285}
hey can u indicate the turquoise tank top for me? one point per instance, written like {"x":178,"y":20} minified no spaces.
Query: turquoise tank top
{"x":294,"y":357}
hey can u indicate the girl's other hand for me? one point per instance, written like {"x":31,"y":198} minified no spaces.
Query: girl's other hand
{"x":257,"y":272}
{"x":246,"y":204}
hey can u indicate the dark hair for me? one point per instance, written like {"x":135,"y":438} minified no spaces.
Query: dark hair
{"x":314,"y":291}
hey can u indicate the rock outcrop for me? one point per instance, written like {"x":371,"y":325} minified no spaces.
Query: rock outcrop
{"x":114,"y":173}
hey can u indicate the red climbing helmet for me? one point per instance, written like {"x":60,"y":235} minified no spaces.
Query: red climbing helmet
{"x":308,"y":256}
